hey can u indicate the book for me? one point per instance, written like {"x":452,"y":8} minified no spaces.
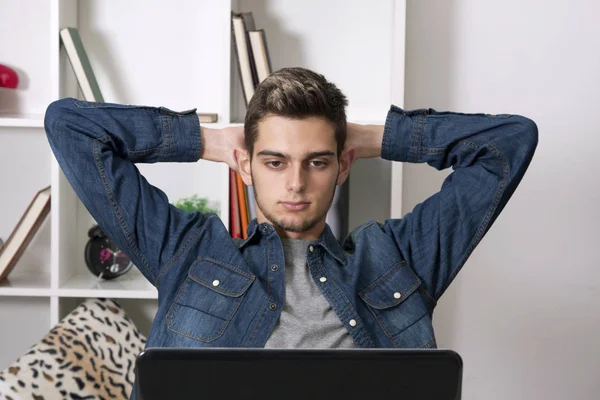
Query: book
{"x":249,"y":25}
{"x":251,"y":203}
{"x":244,"y":57}
{"x":241,"y":195}
{"x":81,"y":64}
{"x":260,"y":52}
{"x":234,"y":209}
{"x":207,"y":117}
{"x":25,"y":230}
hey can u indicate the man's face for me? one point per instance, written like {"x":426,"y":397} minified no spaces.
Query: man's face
{"x":294,"y":172}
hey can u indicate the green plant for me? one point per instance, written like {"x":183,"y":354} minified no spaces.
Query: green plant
{"x":196,"y":203}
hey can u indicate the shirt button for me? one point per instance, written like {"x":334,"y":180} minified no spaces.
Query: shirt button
{"x":274,"y":267}
{"x":265,"y":229}
{"x":273,"y":306}
{"x":323,"y":279}
{"x":397,"y":295}
{"x":216,"y":282}
{"x":352,"y":322}
{"x":311,"y":248}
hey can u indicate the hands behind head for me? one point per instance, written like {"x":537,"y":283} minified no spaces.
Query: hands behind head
{"x":219,"y":144}
{"x":364,"y":139}
{"x":234,"y":139}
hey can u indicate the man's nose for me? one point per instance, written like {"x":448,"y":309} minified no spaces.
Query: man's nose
{"x":296,"y":180}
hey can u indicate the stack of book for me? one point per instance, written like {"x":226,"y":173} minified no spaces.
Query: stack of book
{"x":254,"y":65}
{"x":253,"y":61}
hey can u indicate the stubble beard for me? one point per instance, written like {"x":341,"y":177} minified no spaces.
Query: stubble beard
{"x":303,"y":226}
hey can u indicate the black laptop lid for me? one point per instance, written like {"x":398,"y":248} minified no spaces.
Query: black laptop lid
{"x":234,"y":373}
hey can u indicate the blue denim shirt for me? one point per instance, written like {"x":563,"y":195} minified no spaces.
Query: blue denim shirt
{"x":385,"y":277}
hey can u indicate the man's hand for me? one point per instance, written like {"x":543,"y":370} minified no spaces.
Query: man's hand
{"x":219,"y":144}
{"x":365,"y":139}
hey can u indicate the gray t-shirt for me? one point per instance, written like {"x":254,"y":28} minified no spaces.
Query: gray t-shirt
{"x":307,"y":320}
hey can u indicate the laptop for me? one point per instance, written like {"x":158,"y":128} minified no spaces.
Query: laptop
{"x":314,"y":374}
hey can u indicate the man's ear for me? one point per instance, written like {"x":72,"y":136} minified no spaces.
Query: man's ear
{"x":243,"y":162}
{"x":346,"y":161}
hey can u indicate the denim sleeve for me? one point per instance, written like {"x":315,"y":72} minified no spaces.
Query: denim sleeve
{"x":489,"y":155}
{"x":97,"y":146}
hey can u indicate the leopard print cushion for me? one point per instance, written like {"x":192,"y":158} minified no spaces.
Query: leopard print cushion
{"x":90,"y":354}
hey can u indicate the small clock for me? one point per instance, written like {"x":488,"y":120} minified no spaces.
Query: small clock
{"x":103,"y":256}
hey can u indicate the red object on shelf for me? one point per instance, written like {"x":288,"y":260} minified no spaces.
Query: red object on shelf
{"x":8,"y":77}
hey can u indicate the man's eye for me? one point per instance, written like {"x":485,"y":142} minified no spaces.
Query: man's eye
{"x":274,"y":164}
{"x":318,"y":164}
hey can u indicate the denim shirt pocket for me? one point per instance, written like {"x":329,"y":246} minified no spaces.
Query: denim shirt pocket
{"x":208,"y":299}
{"x":398,"y":307}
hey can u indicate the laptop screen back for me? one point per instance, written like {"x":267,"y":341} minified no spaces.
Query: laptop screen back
{"x":298,"y":374}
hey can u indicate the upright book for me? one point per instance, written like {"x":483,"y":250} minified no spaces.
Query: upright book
{"x":242,"y":197}
{"x":244,"y":56}
{"x":260,"y":53}
{"x":235,"y":224}
{"x":249,"y":25}
{"x":24,"y":232}
{"x":81,"y":64}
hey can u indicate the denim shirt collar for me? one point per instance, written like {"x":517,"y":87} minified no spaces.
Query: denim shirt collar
{"x":331,"y":244}
{"x":327,"y":240}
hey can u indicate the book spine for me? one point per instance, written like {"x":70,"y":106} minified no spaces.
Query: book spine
{"x":242,"y":205}
{"x":87,"y":66}
{"x":251,"y":203}
{"x":260,"y":53}
{"x":28,"y":238}
{"x":249,"y":25}
{"x":234,"y":212}
{"x":243,"y":61}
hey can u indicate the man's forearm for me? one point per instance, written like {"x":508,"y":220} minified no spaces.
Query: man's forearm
{"x":365,"y":139}
{"x":96,"y":146}
{"x":452,"y":139}
{"x":213,"y":144}
{"x":139,"y":134}
{"x":220,"y":144}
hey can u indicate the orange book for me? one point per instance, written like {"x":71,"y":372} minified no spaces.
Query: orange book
{"x":241,"y":194}
{"x":234,"y":212}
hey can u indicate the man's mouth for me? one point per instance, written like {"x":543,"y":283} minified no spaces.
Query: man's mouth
{"x":295,"y":206}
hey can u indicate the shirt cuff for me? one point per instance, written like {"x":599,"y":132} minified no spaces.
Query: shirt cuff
{"x":403,"y":134}
{"x":182,"y":140}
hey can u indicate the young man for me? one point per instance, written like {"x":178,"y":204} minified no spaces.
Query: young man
{"x":291,"y":283}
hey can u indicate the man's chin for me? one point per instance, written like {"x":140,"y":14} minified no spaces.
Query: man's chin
{"x":294,"y":224}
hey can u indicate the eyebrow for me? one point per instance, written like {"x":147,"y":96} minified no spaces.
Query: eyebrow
{"x":267,"y":153}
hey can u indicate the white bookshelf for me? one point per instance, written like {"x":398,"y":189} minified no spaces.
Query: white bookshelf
{"x":178,"y":55}
{"x":14,"y":120}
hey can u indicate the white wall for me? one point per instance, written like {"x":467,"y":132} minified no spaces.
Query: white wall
{"x":524,"y":313}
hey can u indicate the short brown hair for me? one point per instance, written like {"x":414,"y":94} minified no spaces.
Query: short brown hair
{"x":296,"y":93}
